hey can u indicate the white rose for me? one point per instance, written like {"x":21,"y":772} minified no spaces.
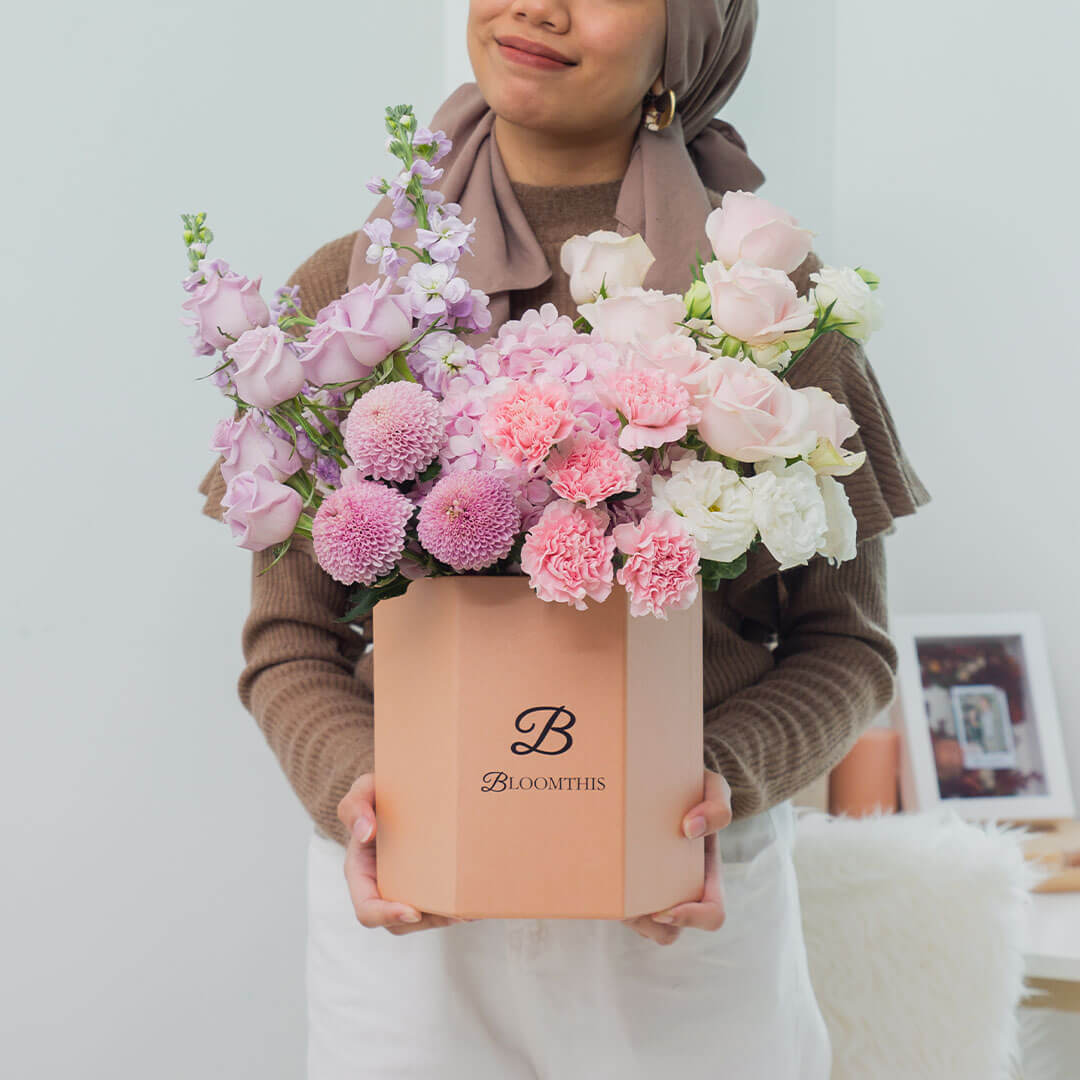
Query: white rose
{"x":838,"y":544}
{"x":789,"y":510}
{"x":714,"y":504}
{"x":856,"y":302}
{"x":619,"y":262}
{"x":635,"y":314}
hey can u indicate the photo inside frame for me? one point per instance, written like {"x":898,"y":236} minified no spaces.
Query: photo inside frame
{"x":981,"y":716}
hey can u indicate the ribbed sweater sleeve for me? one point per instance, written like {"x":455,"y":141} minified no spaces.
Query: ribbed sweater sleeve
{"x":835,"y":671}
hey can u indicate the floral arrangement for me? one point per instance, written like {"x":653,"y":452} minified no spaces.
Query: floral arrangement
{"x":651,"y":441}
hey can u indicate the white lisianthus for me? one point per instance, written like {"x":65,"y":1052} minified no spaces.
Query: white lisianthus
{"x":838,"y":544}
{"x":856,"y":303}
{"x":714,"y":504}
{"x":604,"y":257}
{"x":788,"y":510}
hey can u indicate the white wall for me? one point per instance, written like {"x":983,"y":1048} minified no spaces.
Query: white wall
{"x":955,"y":180}
{"x":152,"y":914}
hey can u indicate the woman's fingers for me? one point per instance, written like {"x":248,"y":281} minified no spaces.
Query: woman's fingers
{"x":357,"y":812}
{"x":713,"y":812}
{"x":359,"y":805}
{"x":708,"y":912}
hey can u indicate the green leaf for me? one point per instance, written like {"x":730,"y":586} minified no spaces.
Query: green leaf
{"x":713,"y":573}
{"x":364,"y":597}
{"x":430,"y":472}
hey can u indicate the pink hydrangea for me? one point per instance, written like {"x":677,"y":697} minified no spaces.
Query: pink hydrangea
{"x":526,"y":419}
{"x":656,"y":404}
{"x":394,"y":431}
{"x":567,"y":555}
{"x":588,"y":470}
{"x":359,"y":531}
{"x":662,"y":563}
{"x":469,"y":520}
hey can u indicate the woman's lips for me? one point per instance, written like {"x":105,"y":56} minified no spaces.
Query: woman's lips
{"x":519,"y":56}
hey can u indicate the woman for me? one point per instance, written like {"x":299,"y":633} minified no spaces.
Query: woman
{"x":796,"y":663}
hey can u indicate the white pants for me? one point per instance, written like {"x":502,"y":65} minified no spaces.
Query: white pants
{"x":562,"y":999}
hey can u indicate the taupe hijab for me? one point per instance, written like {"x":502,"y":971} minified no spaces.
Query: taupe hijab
{"x":663,"y":194}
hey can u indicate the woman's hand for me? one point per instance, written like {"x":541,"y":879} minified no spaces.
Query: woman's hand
{"x":357,"y":814}
{"x":710,"y":815}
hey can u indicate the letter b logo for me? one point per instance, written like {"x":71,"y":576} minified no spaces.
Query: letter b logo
{"x":551,"y":726}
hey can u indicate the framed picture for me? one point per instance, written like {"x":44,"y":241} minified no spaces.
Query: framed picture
{"x":977,"y":709}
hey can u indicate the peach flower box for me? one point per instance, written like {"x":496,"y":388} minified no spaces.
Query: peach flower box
{"x":532,"y":760}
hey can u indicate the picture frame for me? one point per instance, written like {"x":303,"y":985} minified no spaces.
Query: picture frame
{"x":977,"y":709}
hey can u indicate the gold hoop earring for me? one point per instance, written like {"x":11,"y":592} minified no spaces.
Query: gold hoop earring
{"x":656,"y":119}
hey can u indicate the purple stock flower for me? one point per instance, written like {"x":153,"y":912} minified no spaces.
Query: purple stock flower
{"x":426,"y":137}
{"x":327,"y":470}
{"x":432,"y":287}
{"x":381,"y":250}
{"x":376,"y":185}
{"x":447,"y":237}
{"x":441,"y":357}
{"x":280,"y":305}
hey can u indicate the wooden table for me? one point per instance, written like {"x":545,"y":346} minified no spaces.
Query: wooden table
{"x":1052,"y":952}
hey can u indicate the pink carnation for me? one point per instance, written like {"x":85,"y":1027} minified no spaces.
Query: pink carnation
{"x":567,"y":556}
{"x":359,"y":531}
{"x":662,"y":564}
{"x":588,"y":470}
{"x":656,"y":404}
{"x":469,"y":520}
{"x":394,"y":431}
{"x":524,"y":421}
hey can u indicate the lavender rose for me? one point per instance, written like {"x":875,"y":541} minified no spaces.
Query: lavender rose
{"x":355,"y":333}
{"x":260,"y":511}
{"x":245,"y":445}
{"x":225,"y":306}
{"x":268,"y":370}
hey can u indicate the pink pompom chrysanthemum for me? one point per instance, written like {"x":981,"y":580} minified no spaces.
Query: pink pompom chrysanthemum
{"x":587,"y":470}
{"x":568,"y":556}
{"x":359,"y":531}
{"x":469,"y":520}
{"x":394,"y":431}
{"x":662,"y":562}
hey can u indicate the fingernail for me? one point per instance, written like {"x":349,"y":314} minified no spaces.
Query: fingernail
{"x":411,"y":916}
{"x":363,"y":828}
{"x":695,"y":827}
{"x":664,"y":918}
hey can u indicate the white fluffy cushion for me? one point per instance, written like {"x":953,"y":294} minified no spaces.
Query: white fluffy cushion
{"x":915,"y":927}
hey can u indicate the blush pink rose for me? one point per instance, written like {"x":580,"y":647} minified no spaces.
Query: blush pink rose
{"x":244,"y":445}
{"x":225,"y":306}
{"x":268,"y":370}
{"x":586,"y":469}
{"x":755,"y":304}
{"x":750,"y":414}
{"x":745,"y":226}
{"x":356,"y":333}
{"x":568,"y":556}
{"x":662,"y":563}
{"x":656,"y":404}
{"x":259,"y":510}
{"x":828,"y":418}
{"x":676,"y":353}
{"x":524,"y":421}
{"x":635,"y":314}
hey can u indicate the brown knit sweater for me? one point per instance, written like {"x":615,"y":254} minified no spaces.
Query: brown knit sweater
{"x":797,"y":662}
